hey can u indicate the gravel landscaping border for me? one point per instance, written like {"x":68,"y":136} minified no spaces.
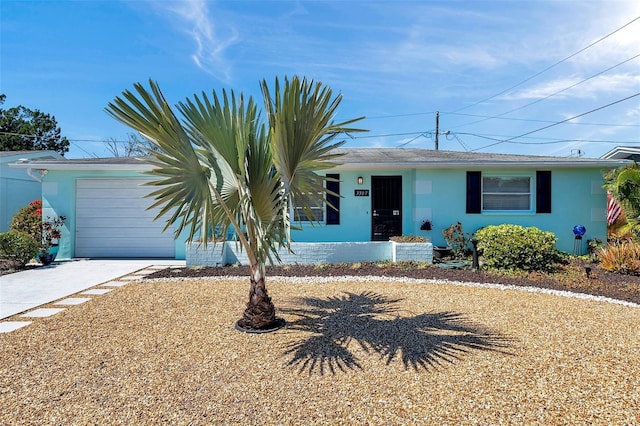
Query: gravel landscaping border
{"x":361,"y":350}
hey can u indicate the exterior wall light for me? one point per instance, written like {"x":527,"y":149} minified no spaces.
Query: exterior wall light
{"x":360,"y":180}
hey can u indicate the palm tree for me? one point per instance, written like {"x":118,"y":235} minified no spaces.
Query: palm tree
{"x":221,"y":166}
{"x":624,"y":184}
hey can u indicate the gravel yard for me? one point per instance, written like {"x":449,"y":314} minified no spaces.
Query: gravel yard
{"x":354,"y":351}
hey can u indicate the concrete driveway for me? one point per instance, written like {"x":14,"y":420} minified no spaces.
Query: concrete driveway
{"x":25,"y":290}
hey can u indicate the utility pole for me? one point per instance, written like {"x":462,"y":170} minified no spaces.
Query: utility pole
{"x":437,"y":127}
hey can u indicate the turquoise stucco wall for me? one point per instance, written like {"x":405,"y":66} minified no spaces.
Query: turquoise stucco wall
{"x":17,"y":188}
{"x":355,"y":212}
{"x":439,"y":195}
{"x":16,"y":191}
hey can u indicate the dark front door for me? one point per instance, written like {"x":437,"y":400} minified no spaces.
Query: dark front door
{"x":386,"y":205}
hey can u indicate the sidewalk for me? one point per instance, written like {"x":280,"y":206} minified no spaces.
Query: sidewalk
{"x":28,"y":289}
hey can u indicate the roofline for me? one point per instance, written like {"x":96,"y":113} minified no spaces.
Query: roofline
{"x":32,"y":153}
{"x":68,"y":165}
{"x":475,"y":164}
{"x":142,"y":166}
{"x":102,"y":167}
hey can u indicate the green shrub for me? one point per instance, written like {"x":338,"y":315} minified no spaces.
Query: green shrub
{"x":622,"y":258}
{"x":517,"y":247}
{"x":29,"y":220}
{"x":18,"y":247}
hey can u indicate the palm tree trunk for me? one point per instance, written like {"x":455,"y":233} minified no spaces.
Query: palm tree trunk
{"x":260,"y":313}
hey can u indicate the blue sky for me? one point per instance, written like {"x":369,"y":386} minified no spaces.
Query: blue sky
{"x":395,"y":62}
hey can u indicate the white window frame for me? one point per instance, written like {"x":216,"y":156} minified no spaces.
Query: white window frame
{"x":529,"y":193}
{"x":320,"y":215}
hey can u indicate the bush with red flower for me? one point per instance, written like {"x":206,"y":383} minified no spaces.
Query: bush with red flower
{"x":29,"y":221}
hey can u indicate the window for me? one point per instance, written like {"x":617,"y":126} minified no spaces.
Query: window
{"x":506,"y":193}
{"x":332,"y":214}
{"x":299,"y":215}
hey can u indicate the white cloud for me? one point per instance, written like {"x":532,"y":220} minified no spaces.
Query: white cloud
{"x":573,"y":88}
{"x":633,"y":114}
{"x":211,"y":46}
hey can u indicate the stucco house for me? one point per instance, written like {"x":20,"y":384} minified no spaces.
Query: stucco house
{"x":17,"y":189}
{"x":384,"y":192}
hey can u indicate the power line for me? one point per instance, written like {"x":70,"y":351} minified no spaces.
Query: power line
{"x":560,"y":122}
{"x":551,"y":141}
{"x":83,"y":150}
{"x":426,"y":134}
{"x":553,"y":94}
{"x":375,"y":117}
{"x":539,"y":121}
{"x":550,"y":66}
{"x":391,"y":134}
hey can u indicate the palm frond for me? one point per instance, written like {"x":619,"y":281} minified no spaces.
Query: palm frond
{"x":183,"y":178}
{"x":303,"y":132}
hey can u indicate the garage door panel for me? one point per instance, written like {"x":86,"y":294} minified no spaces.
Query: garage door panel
{"x":123,"y":184}
{"x":130,"y":243}
{"x":88,"y":202}
{"x":130,"y":232}
{"x":126,"y":252}
{"x":90,"y":216}
{"x":112,"y":220}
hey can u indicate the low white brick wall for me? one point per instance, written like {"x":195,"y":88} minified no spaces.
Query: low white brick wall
{"x":197,"y":255}
{"x":226,"y":253}
{"x":420,"y":252}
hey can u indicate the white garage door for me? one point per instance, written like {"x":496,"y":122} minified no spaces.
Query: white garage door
{"x":112,"y":220}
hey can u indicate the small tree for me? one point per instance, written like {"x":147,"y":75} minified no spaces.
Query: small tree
{"x":23,"y":129}
{"x":221,"y":166}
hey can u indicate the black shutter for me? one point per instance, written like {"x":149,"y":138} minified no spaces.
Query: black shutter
{"x":543,"y":191}
{"x":474,"y":192}
{"x":333,"y":214}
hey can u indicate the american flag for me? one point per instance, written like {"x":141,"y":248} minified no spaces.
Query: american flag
{"x":613,"y":209}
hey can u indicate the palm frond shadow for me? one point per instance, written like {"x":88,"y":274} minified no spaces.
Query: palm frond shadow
{"x":373,"y":322}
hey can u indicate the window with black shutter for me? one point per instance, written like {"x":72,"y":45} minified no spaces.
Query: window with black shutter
{"x":333,"y":213}
{"x":474,"y":192}
{"x":543,"y":191}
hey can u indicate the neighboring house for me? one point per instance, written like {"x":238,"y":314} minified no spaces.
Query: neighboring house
{"x":17,"y":189}
{"x":623,"y":153}
{"x":384,"y":192}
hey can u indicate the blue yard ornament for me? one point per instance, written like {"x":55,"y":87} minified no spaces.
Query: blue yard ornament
{"x":579,"y":232}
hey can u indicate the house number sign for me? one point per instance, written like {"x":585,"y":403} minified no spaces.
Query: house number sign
{"x":361,"y":192}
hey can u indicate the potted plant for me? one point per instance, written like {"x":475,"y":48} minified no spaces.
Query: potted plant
{"x":50,"y":236}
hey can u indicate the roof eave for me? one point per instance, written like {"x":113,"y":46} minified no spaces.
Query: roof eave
{"x":610,"y":164}
{"x":141,"y":166}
